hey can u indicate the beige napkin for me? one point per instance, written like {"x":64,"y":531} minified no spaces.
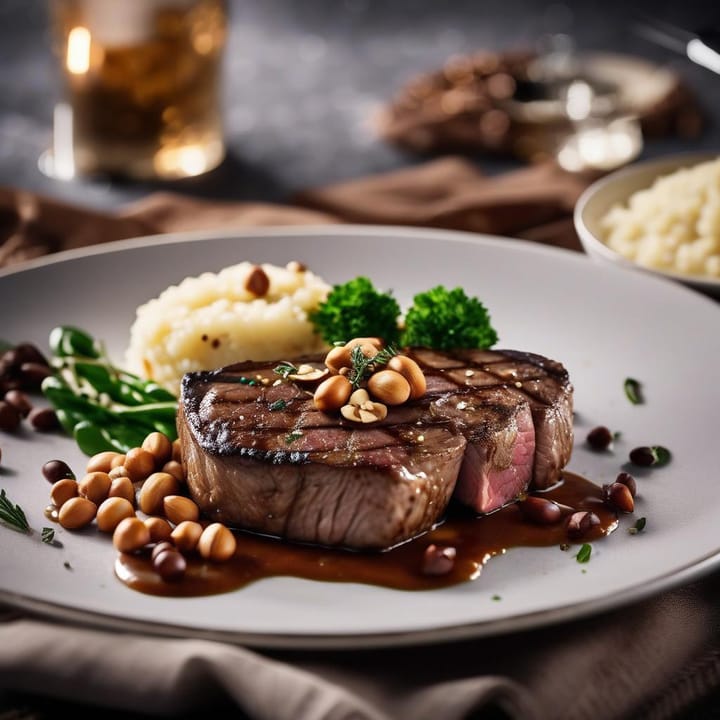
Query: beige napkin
{"x":650,"y":660}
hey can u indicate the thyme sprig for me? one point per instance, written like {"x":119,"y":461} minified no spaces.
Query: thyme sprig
{"x":12,"y":515}
{"x":284,"y":369}
{"x":362,"y":365}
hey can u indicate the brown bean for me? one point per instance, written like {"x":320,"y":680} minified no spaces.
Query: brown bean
{"x":62,"y":491}
{"x":642,"y":456}
{"x":118,"y":471}
{"x":76,"y":513}
{"x":154,"y":489}
{"x":33,"y":373}
{"x":43,"y":419}
{"x":54,"y":470}
{"x":178,"y":508}
{"x":170,"y":565}
{"x":412,"y":372}
{"x":177,"y":450}
{"x":186,"y":535}
{"x":9,"y":417}
{"x":160,"y":529}
{"x":599,"y":438}
{"x":101,"y":462}
{"x":438,"y":560}
{"x":139,"y":463}
{"x":217,"y":543}
{"x":175,"y":469}
{"x":122,"y":487}
{"x":540,"y":511}
{"x":618,"y":497}
{"x":20,"y":401}
{"x":111,"y":512}
{"x":389,"y":387}
{"x":580,"y":523}
{"x":131,"y":535}
{"x":95,"y":486}
{"x":629,"y":481}
{"x":333,"y":393}
{"x":161,"y":546}
{"x":159,"y":446}
{"x":257,"y":282}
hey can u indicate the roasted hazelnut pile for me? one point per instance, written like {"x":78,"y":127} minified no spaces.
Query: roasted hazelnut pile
{"x":363,"y":396}
{"x":138,"y":498}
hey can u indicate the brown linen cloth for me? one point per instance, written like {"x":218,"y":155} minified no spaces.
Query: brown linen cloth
{"x":535,"y":202}
{"x":651,"y":659}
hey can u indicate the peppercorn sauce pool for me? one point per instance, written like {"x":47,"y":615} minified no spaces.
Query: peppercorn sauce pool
{"x":476,"y":539}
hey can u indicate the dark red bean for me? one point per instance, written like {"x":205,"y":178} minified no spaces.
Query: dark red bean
{"x":20,"y":401}
{"x":54,"y":470}
{"x":24,"y":353}
{"x":599,"y":438}
{"x":9,"y":417}
{"x":642,"y":456}
{"x":580,"y":523}
{"x":163,"y":546}
{"x":540,"y":511}
{"x":629,"y":481}
{"x":618,"y":497}
{"x":43,"y":419}
{"x":170,"y":565}
{"x":438,"y":560}
{"x":32,"y":375}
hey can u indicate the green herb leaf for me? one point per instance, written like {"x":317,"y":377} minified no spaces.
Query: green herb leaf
{"x":277,"y":405}
{"x":496,"y":598}
{"x":48,"y":535}
{"x":584,"y":553}
{"x":293,"y":436}
{"x":639,"y":526}
{"x":446,"y":319}
{"x":12,"y":515}
{"x":661,"y":454}
{"x":633,"y":391}
{"x":362,"y":366}
{"x":284,"y":369}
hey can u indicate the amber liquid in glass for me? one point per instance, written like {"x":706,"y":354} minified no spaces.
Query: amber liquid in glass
{"x":142,"y":81}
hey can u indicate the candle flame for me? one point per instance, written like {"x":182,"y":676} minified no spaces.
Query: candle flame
{"x":78,"y":51}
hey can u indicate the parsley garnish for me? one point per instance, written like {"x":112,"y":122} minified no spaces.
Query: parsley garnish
{"x":632,"y":390}
{"x":584,"y":553}
{"x":639,"y":526}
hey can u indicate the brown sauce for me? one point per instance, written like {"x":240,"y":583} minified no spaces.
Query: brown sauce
{"x":476,"y":539}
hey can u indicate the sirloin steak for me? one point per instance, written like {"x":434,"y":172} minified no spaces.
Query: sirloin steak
{"x":258,"y":455}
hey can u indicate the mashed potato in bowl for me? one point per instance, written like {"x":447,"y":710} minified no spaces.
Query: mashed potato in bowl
{"x":215,"y":319}
{"x":673,"y":225}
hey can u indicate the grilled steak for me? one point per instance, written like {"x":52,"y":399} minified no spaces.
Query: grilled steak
{"x":258,"y":455}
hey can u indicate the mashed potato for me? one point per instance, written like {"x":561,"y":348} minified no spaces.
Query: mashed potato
{"x":674,"y":225}
{"x":213,"y":319}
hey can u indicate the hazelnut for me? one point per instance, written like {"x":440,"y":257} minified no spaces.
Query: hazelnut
{"x":217,"y":543}
{"x":62,"y":491}
{"x":76,"y":513}
{"x":95,"y":486}
{"x":412,"y":372}
{"x":154,"y":489}
{"x":131,"y":535}
{"x":332,"y":393}
{"x":186,"y":535}
{"x":389,"y":387}
{"x":111,"y":512}
{"x":159,"y":446}
{"x":102,"y":462}
{"x":178,"y":508}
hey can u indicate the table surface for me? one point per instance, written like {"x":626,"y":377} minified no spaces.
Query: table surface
{"x":301,"y":83}
{"x":300,"y":87}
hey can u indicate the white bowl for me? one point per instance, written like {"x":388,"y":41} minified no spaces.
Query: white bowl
{"x":617,"y":187}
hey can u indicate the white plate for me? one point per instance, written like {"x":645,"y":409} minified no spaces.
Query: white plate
{"x":605,"y":324}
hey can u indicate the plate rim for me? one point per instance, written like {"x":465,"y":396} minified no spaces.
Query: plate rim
{"x":438,"y":633}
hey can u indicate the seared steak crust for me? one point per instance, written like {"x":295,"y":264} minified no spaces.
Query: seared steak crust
{"x":258,"y":455}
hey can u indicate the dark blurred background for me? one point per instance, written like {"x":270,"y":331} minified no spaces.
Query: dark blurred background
{"x":303,"y":79}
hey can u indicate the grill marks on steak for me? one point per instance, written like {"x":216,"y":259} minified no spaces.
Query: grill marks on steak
{"x":491,"y":423}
